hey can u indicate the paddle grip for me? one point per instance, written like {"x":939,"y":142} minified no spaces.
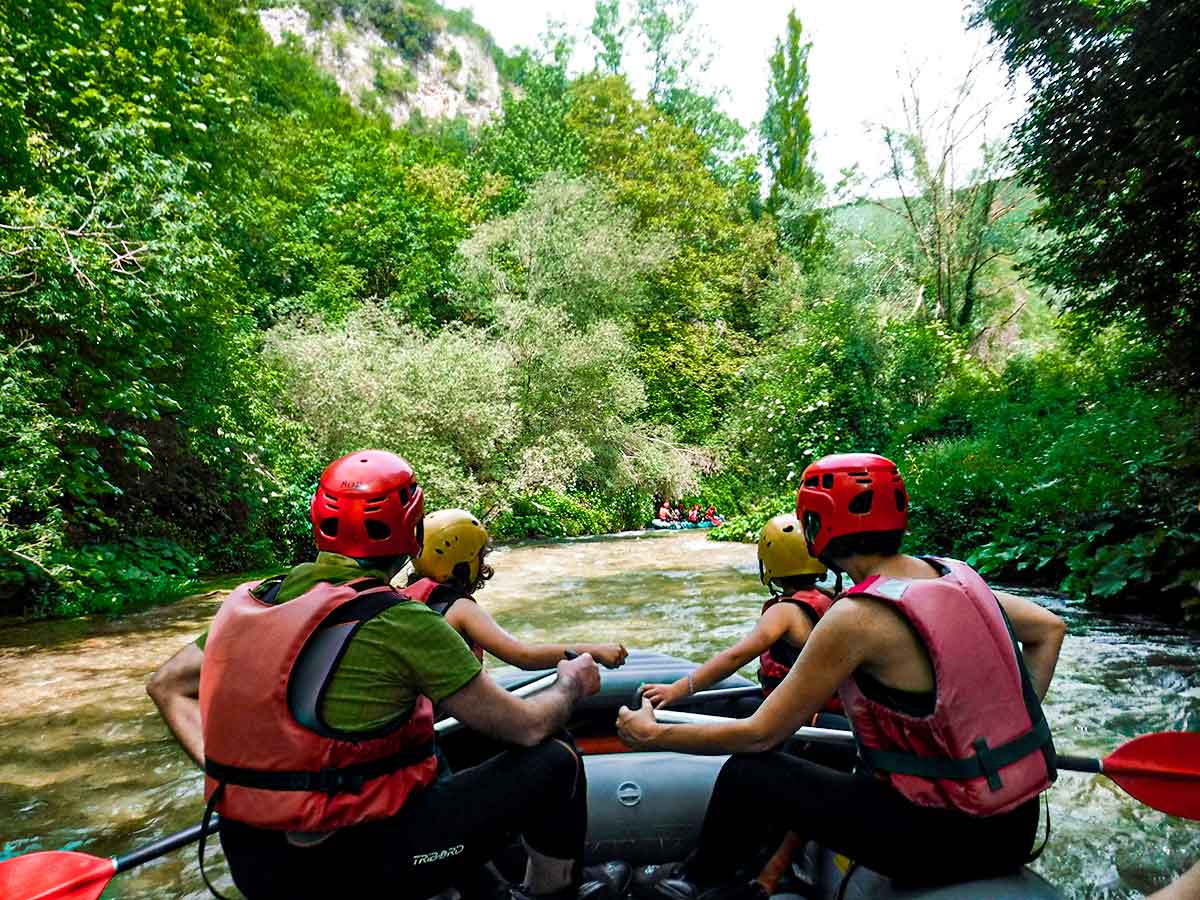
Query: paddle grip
{"x":1071,"y":763}
{"x":161,"y":847}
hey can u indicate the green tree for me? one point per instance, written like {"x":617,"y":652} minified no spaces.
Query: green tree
{"x":1111,"y":143}
{"x":786,"y":127}
{"x":569,"y":247}
{"x":533,"y":136}
{"x":675,"y":51}
{"x":958,"y":219}
{"x":609,"y":31}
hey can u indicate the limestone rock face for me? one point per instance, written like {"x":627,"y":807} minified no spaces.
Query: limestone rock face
{"x":458,"y":77}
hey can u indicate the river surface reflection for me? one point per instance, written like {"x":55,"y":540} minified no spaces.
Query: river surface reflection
{"x":85,"y":762}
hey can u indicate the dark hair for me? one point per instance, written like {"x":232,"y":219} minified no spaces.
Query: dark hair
{"x":462,"y":571}
{"x":796,"y":582}
{"x":875,"y":543}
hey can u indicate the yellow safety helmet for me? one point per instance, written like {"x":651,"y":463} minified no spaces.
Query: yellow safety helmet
{"x":782,"y":551}
{"x":453,"y":538}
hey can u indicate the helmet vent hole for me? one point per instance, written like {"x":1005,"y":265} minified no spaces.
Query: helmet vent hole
{"x":438,"y":550}
{"x":329,"y":527}
{"x":789,"y":528}
{"x":827,"y":481}
{"x":901,"y":501}
{"x":812,"y":525}
{"x":376,"y":499}
{"x":861,"y":504}
{"x":377,"y":531}
{"x":812,"y":482}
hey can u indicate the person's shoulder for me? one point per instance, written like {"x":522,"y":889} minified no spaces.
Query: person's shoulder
{"x":860,"y":609}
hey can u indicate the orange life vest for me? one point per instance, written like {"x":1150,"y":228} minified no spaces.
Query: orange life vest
{"x":270,"y":761}
{"x":985,"y":748}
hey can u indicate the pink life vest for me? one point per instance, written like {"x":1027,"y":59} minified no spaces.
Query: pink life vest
{"x":986,"y":748}
{"x":270,"y":760}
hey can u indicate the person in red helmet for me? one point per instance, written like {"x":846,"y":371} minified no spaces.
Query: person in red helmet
{"x":942,"y":681}
{"x":310,"y":704}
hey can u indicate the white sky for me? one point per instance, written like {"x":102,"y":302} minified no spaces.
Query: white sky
{"x":857,"y":48}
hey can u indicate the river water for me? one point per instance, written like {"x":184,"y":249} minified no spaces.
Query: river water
{"x":85,"y":762}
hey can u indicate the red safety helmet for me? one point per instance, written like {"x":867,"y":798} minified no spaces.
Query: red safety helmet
{"x":368,"y":504}
{"x":849,"y":493}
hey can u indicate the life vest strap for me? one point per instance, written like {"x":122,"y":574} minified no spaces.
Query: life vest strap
{"x":347,"y":780}
{"x":986,"y":762}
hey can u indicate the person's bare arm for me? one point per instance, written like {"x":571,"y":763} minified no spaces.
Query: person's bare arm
{"x":841,"y":641}
{"x":175,"y":690}
{"x":489,"y":709}
{"x":769,"y":628}
{"x":477,"y":623}
{"x":1041,"y":634}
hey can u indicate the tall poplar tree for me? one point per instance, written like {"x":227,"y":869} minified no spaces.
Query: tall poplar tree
{"x":786,"y":128}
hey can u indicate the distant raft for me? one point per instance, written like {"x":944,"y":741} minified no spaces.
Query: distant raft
{"x":664,"y":525}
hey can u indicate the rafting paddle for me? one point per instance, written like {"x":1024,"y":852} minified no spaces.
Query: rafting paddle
{"x":68,"y":875}
{"x":1161,"y":770}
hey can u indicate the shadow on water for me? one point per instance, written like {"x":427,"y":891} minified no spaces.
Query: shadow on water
{"x":86,"y":764}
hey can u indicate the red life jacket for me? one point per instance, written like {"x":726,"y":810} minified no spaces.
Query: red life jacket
{"x":439,"y":598}
{"x":270,"y":760}
{"x":985,"y":748}
{"x":777,"y":660}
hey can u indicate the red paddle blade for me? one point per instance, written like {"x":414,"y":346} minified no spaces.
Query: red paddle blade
{"x":55,"y":875}
{"x":1162,"y":770}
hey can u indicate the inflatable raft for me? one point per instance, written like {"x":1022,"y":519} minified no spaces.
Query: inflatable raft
{"x":646,"y":808}
{"x":664,"y":525}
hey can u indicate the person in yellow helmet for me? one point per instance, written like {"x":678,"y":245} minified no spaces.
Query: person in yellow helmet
{"x":453,"y":556}
{"x":787,"y":618}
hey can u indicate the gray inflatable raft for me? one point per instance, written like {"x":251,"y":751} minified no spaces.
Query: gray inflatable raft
{"x":646,"y":808}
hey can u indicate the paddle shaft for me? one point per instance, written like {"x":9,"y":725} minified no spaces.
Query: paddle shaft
{"x":808,"y":733}
{"x":163,"y":846}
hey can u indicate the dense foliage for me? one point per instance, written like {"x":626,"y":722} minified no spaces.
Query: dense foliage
{"x":1112,"y":145}
{"x":216,"y":273}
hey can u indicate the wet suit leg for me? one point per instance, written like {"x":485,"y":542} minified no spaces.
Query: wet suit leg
{"x":441,"y":835}
{"x":757,"y":796}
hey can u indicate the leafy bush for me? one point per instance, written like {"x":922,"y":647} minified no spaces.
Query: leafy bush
{"x":1069,"y":474}
{"x":530,"y":405}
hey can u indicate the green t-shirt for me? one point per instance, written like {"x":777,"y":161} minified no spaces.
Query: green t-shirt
{"x":406,"y":650}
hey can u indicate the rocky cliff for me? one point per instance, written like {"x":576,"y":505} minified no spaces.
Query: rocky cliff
{"x":457,"y":77}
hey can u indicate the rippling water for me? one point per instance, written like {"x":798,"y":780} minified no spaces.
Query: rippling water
{"x":85,"y":762}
